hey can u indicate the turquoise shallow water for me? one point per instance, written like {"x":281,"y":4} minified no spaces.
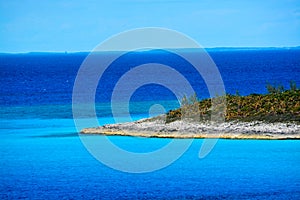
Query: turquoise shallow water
{"x":44,"y":158}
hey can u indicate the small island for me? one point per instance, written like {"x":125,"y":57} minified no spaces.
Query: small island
{"x":275,"y":115}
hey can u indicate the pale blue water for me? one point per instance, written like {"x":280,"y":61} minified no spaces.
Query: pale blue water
{"x":43,"y":157}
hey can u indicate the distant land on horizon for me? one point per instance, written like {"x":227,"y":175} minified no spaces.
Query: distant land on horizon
{"x":209,"y":49}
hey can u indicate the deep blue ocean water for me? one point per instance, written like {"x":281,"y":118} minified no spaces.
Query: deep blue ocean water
{"x":43,"y":157}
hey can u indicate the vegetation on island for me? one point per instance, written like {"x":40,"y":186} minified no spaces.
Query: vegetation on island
{"x":279,"y":105}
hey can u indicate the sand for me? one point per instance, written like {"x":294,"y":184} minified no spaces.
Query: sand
{"x":188,"y":129}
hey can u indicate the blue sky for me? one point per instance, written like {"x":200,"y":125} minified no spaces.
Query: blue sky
{"x":58,"y":25}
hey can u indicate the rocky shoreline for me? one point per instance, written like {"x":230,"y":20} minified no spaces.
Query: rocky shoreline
{"x":188,"y":129}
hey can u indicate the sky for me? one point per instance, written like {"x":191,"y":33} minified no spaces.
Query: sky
{"x":59,"y":25}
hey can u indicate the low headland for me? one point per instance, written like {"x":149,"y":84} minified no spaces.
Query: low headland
{"x":275,"y":115}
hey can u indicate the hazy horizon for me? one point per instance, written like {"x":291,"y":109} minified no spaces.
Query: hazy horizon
{"x":206,"y":48}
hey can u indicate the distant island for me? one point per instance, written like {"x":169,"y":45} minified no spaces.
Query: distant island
{"x":209,"y":49}
{"x":275,"y":115}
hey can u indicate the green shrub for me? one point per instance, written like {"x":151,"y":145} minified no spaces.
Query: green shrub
{"x":293,"y":85}
{"x":275,"y":89}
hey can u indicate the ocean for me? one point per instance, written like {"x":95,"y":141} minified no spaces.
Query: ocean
{"x":42,"y":156}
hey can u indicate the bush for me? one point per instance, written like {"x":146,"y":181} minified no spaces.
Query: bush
{"x":273,"y":89}
{"x":293,"y":85}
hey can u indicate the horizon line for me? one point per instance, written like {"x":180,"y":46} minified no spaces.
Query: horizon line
{"x":207,"y":48}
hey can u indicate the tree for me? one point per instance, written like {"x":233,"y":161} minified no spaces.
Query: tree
{"x":193,"y":99}
{"x":184,"y":101}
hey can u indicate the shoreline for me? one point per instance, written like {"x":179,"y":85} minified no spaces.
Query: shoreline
{"x":150,"y":128}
